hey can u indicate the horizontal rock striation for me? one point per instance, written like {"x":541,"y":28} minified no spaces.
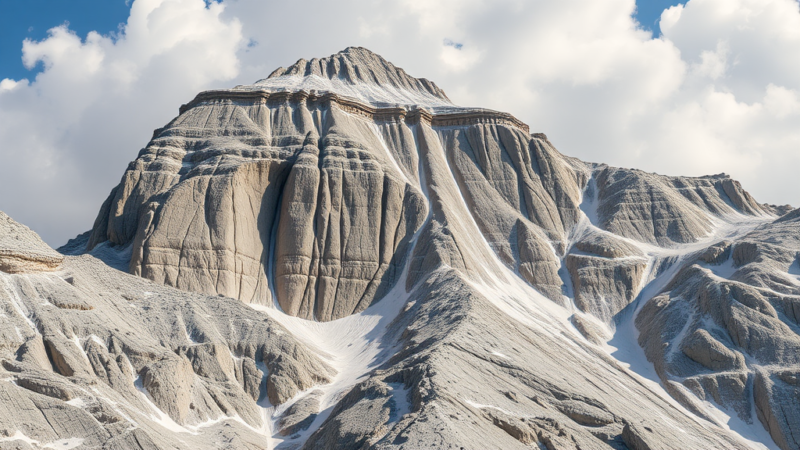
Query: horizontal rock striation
{"x":667,"y":210}
{"x":22,"y":251}
{"x":504,"y":266}
{"x":289,"y":185}
{"x":200,"y":206}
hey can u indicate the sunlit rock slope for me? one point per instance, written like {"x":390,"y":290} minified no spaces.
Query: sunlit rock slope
{"x":352,"y":261}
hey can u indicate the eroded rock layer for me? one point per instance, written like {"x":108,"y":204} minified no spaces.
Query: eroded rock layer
{"x":731,"y":320}
{"x":461,"y":274}
{"x":95,"y":358}
{"x":235,"y":189}
{"x":22,"y":251}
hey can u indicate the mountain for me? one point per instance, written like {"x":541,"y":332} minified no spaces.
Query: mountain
{"x":339,"y":257}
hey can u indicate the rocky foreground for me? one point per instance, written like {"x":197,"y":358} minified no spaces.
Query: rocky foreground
{"x":339,"y":257}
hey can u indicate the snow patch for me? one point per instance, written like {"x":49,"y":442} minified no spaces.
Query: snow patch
{"x":724,"y":270}
{"x":77,"y":402}
{"x":369,"y":93}
{"x":400,"y":404}
{"x":61,"y":444}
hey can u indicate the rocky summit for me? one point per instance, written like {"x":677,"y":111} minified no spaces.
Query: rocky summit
{"x":337,"y":256}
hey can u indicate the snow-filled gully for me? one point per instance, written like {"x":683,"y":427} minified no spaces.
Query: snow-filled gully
{"x":354,"y":346}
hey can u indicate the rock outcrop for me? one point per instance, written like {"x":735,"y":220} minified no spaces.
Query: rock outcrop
{"x":339,"y":257}
{"x":102,"y":359}
{"x":22,"y":251}
{"x":730,"y":322}
{"x":236,"y":190}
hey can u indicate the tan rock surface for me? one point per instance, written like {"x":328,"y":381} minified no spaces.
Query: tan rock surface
{"x":461,"y":275}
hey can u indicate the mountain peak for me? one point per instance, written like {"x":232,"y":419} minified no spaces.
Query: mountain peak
{"x":359,"y":73}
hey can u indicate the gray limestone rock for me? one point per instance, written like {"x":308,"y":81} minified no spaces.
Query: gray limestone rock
{"x":22,"y":251}
{"x":451,"y":265}
{"x":301,"y":414}
{"x":731,"y":312}
{"x":357,"y":66}
{"x":139,"y":358}
{"x":666,"y":210}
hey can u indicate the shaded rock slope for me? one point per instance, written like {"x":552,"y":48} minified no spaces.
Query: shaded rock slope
{"x":339,"y":257}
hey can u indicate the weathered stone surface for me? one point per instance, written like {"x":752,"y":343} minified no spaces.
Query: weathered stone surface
{"x":732,"y":313}
{"x":603,"y":288}
{"x":591,"y":331}
{"x":711,"y":353}
{"x":451,"y":265}
{"x":207,"y":204}
{"x":449,"y":360}
{"x":666,"y":210}
{"x":301,"y":414}
{"x":139,"y":357}
{"x":22,"y":251}
{"x":358,"y":73}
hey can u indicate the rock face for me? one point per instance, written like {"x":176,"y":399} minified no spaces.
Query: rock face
{"x":360,"y":263}
{"x":236,"y":190}
{"x":96,"y":358}
{"x":22,"y":251}
{"x":357,"y":73}
{"x":731,"y":323}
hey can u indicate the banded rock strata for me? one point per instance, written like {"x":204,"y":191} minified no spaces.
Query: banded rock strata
{"x":23,"y":251}
{"x":418,"y":275}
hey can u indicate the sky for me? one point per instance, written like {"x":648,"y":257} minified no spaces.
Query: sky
{"x":692,"y":88}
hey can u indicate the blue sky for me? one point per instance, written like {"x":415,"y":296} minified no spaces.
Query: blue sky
{"x":30,"y":19}
{"x":648,"y":12}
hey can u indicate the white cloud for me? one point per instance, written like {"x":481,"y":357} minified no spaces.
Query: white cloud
{"x":718,"y":91}
{"x":66,"y":138}
{"x":7,"y":84}
{"x":713,"y":64}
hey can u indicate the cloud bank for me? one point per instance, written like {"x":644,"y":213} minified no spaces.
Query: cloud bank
{"x":718,"y":91}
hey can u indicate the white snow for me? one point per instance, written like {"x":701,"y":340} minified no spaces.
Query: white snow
{"x":794,"y":271}
{"x":724,"y":270}
{"x":16,"y":301}
{"x":401,"y":404}
{"x":65,"y":444}
{"x":366,"y":92}
{"x":61,"y":444}
{"x":352,"y":345}
{"x":753,"y":434}
{"x":477,"y":405}
{"x":19,"y":436}
{"x":77,"y":402}
{"x":624,"y":345}
{"x":379,"y":135}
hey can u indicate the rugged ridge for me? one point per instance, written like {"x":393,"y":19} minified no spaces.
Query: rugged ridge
{"x":354,"y":66}
{"x":414,"y":274}
{"x":95,"y":358}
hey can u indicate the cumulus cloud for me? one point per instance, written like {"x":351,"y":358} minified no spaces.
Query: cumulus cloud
{"x":718,"y":91}
{"x":67,"y":135}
